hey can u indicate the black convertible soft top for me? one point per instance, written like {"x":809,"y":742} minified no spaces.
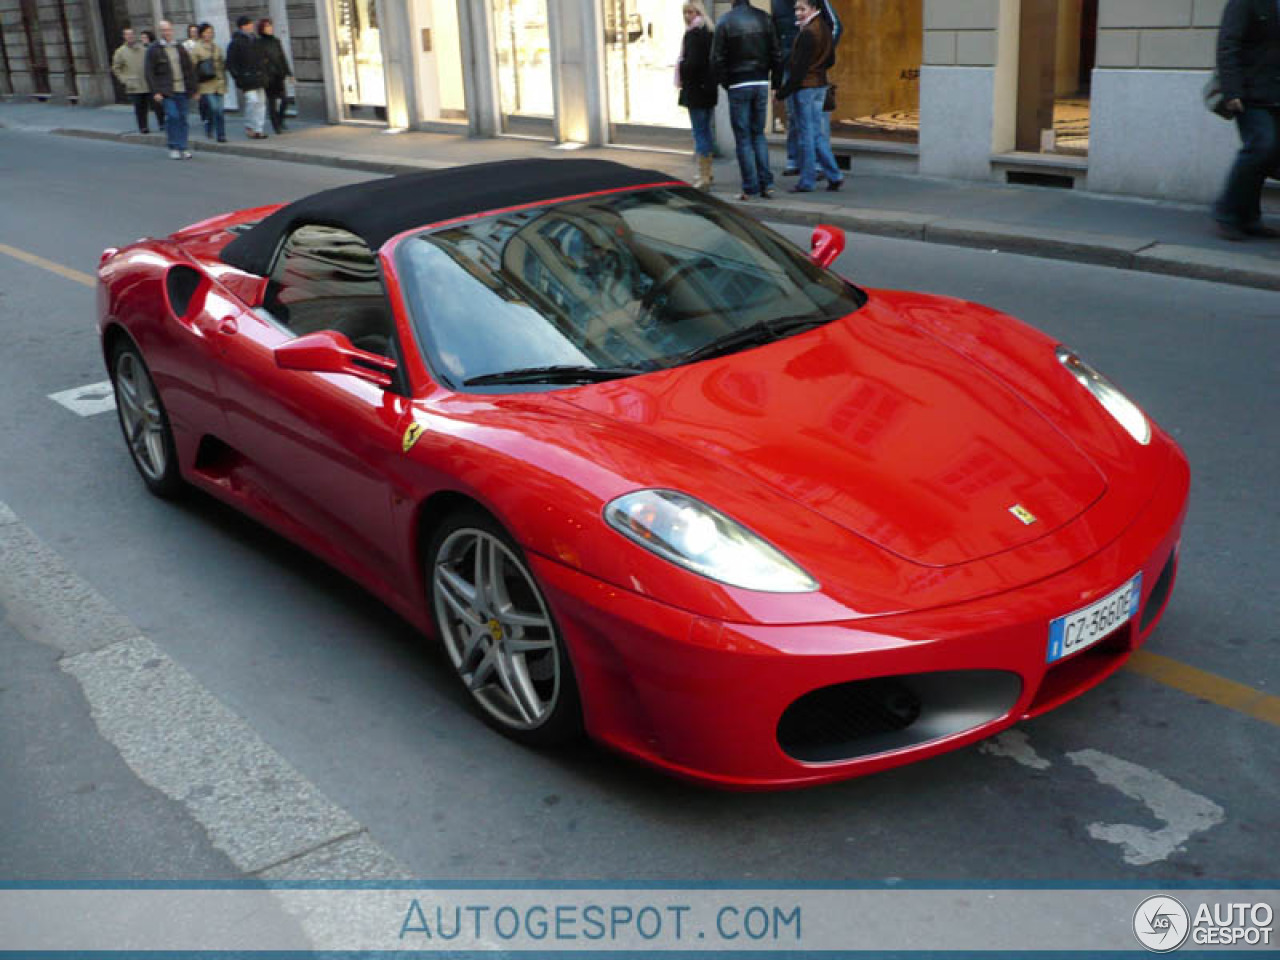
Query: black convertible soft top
{"x":377,"y":210}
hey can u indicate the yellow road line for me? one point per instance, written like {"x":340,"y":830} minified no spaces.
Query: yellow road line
{"x":1172,"y":673}
{"x":79,"y":277}
{"x":1208,"y":686}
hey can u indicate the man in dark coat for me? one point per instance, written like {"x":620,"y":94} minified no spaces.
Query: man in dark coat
{"x":171,"y":79}
{"x":1249,"y":71}
{"x":246,"y":63}
{"x":746,"y":59}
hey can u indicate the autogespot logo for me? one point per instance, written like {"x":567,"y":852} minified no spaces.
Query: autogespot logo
{"x":1161,"y":924}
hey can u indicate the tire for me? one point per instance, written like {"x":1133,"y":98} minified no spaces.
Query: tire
{"x":501,"y":639}
{"x":144,"y":423}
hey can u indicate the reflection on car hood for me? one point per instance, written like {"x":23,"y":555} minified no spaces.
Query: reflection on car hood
{"x":877,"y":426}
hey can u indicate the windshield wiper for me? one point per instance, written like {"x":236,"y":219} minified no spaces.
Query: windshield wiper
{"x":766,"y":331}
{"x":560,"y":373}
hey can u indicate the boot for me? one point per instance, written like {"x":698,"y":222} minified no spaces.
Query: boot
{"x":704,"y":178}
{"x":711,"y":174}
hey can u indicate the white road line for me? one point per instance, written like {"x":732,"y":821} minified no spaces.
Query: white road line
{"x":1183,"y":813}
{"x":1015,"y":745}
{"x":175,"y":735}
{"x":87,"y":401}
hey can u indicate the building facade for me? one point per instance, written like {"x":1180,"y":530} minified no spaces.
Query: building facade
{"x":1098,"y":94}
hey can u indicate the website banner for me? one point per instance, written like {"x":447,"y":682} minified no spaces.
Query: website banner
{"x":649,"y":920}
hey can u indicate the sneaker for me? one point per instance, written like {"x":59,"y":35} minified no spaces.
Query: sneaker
{"x":222,"y":139}
{"x":833,"y":186}
{"x":174,"y":155}
{"x":186,"y":154}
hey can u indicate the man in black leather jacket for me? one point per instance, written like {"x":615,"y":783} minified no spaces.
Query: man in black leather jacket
{"x":1249,"y":71}
{"x":747,"y":61}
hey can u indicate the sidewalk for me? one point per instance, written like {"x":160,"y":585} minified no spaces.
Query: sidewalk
{"x":1133,"y":234}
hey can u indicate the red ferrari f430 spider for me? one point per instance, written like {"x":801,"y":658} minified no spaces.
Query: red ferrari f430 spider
{"x":650,"y":472}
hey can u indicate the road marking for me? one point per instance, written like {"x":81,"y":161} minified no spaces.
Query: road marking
{"x":1207,"y":686}
{"x":1015,"y":745}
{"x":89,"y":400}
{"x":88,"y":279}
{"x":1183,"y":813}
{"x":175,"y":735}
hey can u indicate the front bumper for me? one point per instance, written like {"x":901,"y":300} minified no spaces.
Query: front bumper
{"x":703,"y":699}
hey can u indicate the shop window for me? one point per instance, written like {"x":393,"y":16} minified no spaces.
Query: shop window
{"x":642,"y":42}
{"x":877,"y":69}
{"x":439,"y":59}
{"x":522,"y":44}
{"x":359,"y":41}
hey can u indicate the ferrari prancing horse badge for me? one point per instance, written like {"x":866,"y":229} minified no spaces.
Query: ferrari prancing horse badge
{"x":411,"y":435}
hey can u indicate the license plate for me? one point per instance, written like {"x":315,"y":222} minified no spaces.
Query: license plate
{"x":1082,"y":629}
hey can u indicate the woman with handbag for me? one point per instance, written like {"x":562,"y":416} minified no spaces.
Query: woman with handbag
{"x":698,"y":91}
{"x":806,"y":87}
{"x":211,"y":74}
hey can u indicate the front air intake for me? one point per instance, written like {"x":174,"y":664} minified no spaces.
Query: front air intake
{"x":864,"y":717}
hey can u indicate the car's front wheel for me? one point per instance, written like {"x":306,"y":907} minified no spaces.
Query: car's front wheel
{"x":499,"y":632}
{"x":144,"y":421}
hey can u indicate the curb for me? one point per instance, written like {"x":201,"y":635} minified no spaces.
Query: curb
{"x":1126,"y":253}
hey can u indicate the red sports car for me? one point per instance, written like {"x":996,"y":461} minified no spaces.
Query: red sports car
{"x":648,"y":471}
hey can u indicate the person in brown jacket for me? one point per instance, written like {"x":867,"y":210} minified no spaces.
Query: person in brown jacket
{"x":211,"y":74}
{"x":806,"y":86}
{"x":127,"y":65}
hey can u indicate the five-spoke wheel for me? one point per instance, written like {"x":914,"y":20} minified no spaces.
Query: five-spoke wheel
{"x":144,"y":422}
{"x":499,"y":633}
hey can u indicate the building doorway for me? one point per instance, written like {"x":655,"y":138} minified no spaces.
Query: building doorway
{"x":1057,"y":44}
{"x":642,"y":41}
{"x":441,"y":83}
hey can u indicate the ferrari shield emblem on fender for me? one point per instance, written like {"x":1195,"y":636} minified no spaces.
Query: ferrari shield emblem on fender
{"x":1023,"y":514}
{"x":411,"y":435}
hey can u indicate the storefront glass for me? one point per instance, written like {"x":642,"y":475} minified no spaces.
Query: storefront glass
{"x":877,"y":69}
{"x":439,"y":59}
{"x":359,"y":42}
{"x":522,"y":43}
{"x":642,"y":43}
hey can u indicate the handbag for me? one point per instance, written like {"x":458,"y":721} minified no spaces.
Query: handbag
{"x":1214,"y":101}
{"x":829,"y":101}
{"x":206,"y":70}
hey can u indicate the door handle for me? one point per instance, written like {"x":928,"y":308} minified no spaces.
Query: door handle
{"x":228,"y":326}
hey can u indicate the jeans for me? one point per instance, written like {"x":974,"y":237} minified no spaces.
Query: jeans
{"x":1241,"y":201}
{"x":813,"y":141}
{"x":703,"y":142}
{"x":748,"y":107}
{"x":175,"y":120}
{"x":141,"y":108}
{"x":215,"y":122}
{"x":255,"y":109}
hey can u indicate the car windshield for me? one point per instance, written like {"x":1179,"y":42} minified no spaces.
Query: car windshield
{"x":607,"y":286}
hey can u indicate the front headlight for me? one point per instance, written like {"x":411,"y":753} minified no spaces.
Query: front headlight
{"x":1105,"y":392}
{"x":700,"y":538}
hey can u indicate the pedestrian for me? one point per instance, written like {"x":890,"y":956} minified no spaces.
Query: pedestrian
{"x":277,"y":69}
{"x":211,"y":75}
{"x":149,"y":41}
{"x":245,"y":64}
{"x":784,"y":21}
{"x":698,"y":92}
{"x":746,"y":61}
{"x":806,"y":88}
{"x":189,"y":44}
{"x":1249,"y":73}
{"x":127,"y":64}
{"x":171,"y":80}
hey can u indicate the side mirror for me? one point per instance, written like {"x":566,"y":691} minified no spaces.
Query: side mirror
{"x":827,"y":244}
{"x":327,"y":351}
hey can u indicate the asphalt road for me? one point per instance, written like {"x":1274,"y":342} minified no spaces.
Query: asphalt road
{"x":1134,"y":782}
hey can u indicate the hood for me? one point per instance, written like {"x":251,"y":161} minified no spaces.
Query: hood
{"x":877,"y":426}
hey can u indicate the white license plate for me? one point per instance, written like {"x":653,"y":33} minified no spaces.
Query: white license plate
{"x":1082,"y":629}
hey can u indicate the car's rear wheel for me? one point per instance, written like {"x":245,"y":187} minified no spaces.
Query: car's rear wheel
{"x":144,"y":422}
{"x":499,"y":632}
